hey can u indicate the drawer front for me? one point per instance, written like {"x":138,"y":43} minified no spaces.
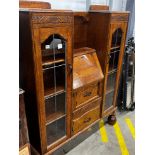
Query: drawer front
{"x":84,"y":95}
{"x":88,"y":107}
{"x":85,"y":120}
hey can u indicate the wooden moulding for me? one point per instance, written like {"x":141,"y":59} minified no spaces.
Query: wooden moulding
{"x":34,"y":4}
{"x":99,"y":7}
{"x":84,"y":15}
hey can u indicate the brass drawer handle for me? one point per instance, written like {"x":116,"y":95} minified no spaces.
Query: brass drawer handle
{"x":87,"y":120}
{"x":87,"y":94}
{"x":70,"y":68}
{"x":108,"y":59}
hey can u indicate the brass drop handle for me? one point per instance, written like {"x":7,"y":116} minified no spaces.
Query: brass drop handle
{"x":87,"y":120}
{"x":70,"y":68}
{"x":87,"y":94}
{"x":108,"y":57}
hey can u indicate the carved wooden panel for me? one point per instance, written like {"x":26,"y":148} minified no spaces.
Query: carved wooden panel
{"x":119,"y":17}
{"x":52,"y":19}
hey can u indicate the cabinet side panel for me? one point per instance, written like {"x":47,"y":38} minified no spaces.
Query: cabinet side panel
{"x":27,"y":80}
{"x":23,"y":131}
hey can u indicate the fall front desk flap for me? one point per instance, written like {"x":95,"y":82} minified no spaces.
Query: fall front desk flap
{"x":86,"y":67}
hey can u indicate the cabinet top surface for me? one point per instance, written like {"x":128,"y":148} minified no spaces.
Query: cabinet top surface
{"x":30,"y":10}
{"x":86,"y":67}
{"x":75,"y":12}
{"x":109,"y":12}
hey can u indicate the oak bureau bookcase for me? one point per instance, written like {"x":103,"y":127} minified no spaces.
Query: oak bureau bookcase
{"x":57,"y":109}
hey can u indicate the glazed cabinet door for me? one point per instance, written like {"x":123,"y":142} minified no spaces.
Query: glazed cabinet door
{"x":113,"y":63}
{"x":56,"y":74}
{"x":53,"y":51}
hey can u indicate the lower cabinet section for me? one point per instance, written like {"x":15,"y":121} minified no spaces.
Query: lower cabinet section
{"x":85,"y":120}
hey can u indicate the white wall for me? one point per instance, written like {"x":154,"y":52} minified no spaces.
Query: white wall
{"x":103,"y":2}
{"x":76,"y":5}
{"x":118,"y":5}
{"x":83,"y":5}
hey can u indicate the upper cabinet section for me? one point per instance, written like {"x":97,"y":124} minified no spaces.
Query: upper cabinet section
{"x":53,"y":63}
{"x":53,"y":50}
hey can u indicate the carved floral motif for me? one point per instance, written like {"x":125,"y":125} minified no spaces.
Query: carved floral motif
{"x":119,"y":18}
{"x":52,"y":19}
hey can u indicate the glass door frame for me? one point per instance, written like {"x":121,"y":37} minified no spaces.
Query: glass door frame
{"x":56,"y":117}
{"x":39,"y":35}
{"x":112,"y":28}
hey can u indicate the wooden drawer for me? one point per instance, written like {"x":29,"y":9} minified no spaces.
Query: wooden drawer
{"x":85,"y":94}
{"x":86,"y":119}
{"x":89,"y":106}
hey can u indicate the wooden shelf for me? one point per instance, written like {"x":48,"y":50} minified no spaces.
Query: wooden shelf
{"x":108,"y":91}
{"x":111,"y":71}
{"x":55,"y":116}
{"x":47,"y":62}
{"x":51,"y":91}
{"x":112,"y":48}
{"x":46,"y":52}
